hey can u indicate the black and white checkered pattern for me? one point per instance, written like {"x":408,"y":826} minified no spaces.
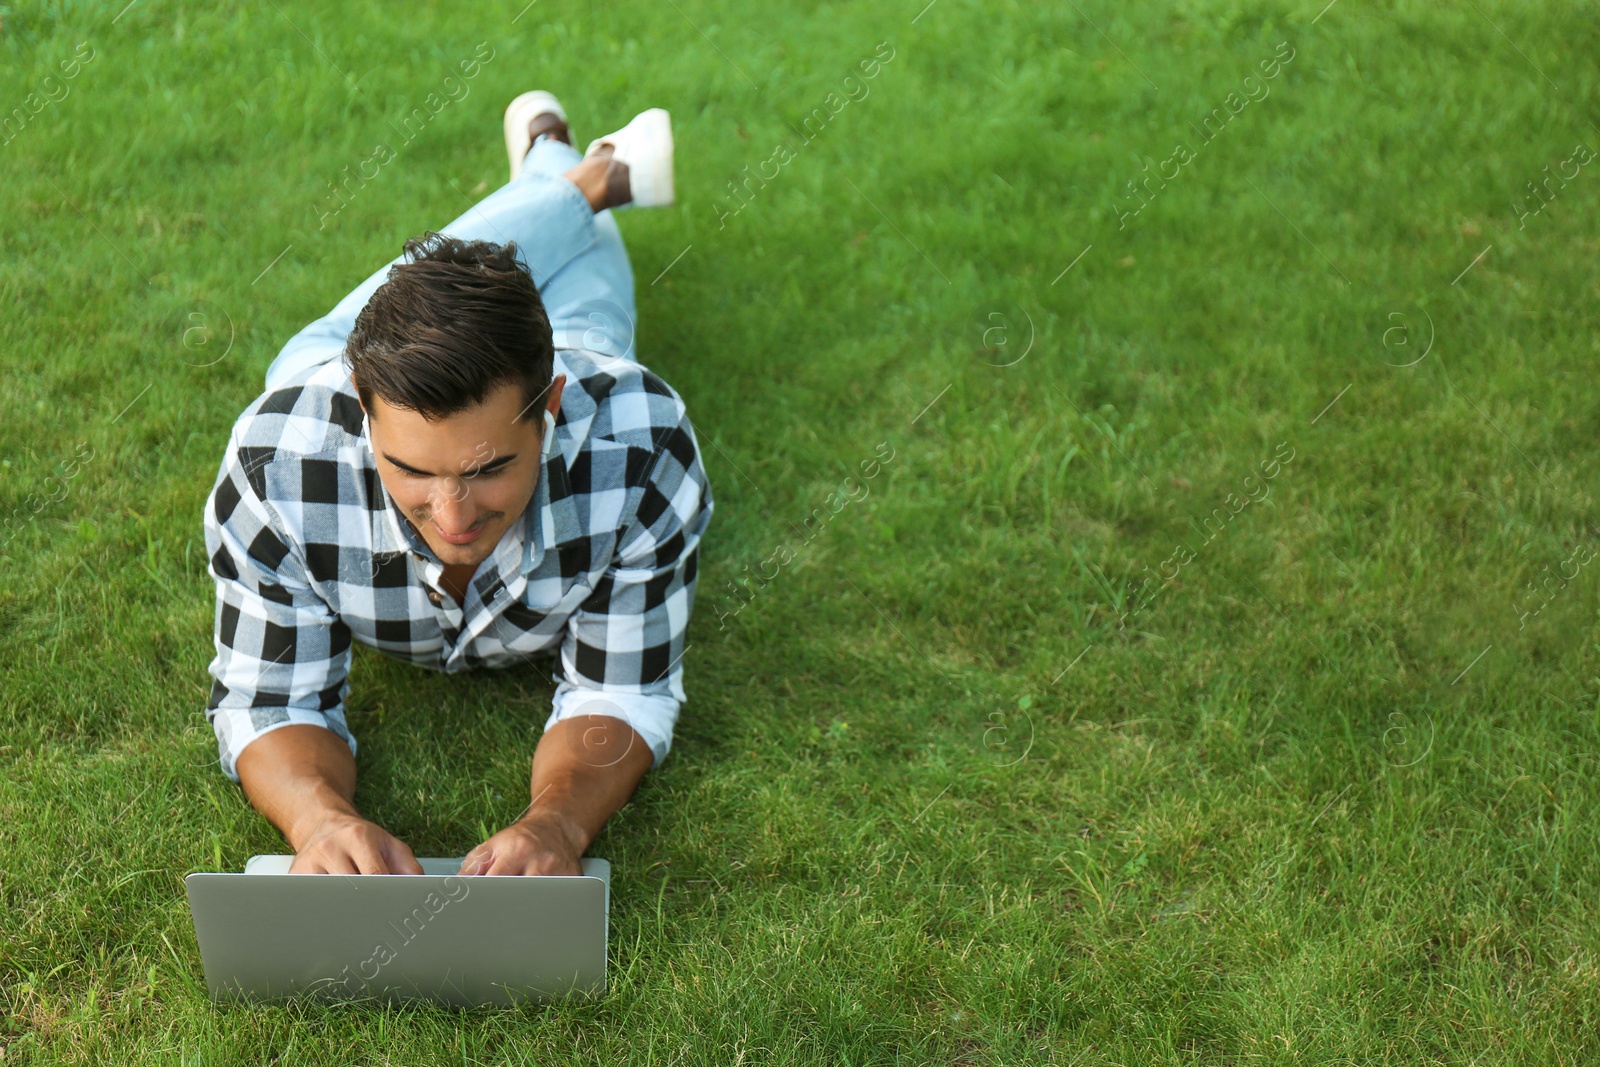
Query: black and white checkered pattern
{"x":309,"y":552}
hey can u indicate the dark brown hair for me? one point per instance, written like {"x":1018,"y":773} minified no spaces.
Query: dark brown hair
{"x":450,"y":324}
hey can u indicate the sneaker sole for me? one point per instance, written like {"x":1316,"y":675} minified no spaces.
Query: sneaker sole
{"x":658,"y":188}
{"x":517,"y":116}
{"x":649,"y":156}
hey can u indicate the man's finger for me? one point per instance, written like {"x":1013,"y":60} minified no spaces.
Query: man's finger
{"x":400,"y":857}
{"x":535,"y":861}
{"x":306,"y":863}
{"x":476,"y":861}
{"x":318,"y":859}
{"x":368,"y":860}
{"x":508,"y":863}
{"x":503,"y":863}
{"x":326,"y":862}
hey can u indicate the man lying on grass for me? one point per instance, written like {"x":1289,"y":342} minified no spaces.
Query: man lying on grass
{"x":487,"y":474}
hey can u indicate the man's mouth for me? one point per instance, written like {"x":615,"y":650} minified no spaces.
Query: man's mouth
{"x":462,"y":538}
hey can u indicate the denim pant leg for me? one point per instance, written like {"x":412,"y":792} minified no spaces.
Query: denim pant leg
{"x":590,"y":300}
{"x":576,"y":259}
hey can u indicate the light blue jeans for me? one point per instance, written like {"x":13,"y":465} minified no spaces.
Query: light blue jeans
{"x":574,"y":255}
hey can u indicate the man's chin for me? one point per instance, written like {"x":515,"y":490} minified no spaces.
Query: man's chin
{"x":463,"y":555}
{"x":450,"y":559}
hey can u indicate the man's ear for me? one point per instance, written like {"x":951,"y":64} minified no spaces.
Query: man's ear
{"x":352,"y":380}
{"x":553,"y":405}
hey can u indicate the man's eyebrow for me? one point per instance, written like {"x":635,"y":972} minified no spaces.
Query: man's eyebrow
{"x":407,"y":467}
{"x":493,"y":464}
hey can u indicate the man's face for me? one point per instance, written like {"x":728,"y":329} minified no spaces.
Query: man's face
{"x":462,"y":481}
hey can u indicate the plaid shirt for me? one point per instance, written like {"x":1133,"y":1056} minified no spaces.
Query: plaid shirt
{"x":308,"y":551}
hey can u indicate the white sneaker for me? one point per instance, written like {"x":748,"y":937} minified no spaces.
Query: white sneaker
{"x":645,"y":145}
{"x":519,"y":113}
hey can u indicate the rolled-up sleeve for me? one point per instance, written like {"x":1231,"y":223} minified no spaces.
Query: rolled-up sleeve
{"x":622,"y":654}
{"x":282,"y":655}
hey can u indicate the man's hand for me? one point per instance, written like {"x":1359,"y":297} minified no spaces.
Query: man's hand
{"x":349,"y":844}
{"x":303,"y":778}
{"x":534,"y":844}
{"x":584,"y":769}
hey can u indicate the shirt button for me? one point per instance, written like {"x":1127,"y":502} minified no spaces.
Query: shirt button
{"x":433,"y":596}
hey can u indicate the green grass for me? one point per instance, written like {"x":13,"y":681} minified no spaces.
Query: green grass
{"x":1323,"y":800}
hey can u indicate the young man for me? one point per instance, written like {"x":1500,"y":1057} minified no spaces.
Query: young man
{"x":486,"y":474}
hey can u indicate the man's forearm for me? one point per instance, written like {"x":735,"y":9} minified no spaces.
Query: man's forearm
{"x":584,"y":769}
{"x":297,"y":776}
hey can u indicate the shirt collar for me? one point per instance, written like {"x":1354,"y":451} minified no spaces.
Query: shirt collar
{"x":552,"y":517}
{"x":394,"y":533}
{"x":577,"y":406}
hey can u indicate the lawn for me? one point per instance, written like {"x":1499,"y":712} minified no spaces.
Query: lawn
{"x":1207,"y":673}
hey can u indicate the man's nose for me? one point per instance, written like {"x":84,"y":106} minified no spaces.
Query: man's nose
{"x":452,"y":508}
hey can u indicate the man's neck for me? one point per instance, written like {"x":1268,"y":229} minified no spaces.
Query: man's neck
{"x":456,"y":577}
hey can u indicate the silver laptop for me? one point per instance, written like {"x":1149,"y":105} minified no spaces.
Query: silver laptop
{"x":438,"y":936}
